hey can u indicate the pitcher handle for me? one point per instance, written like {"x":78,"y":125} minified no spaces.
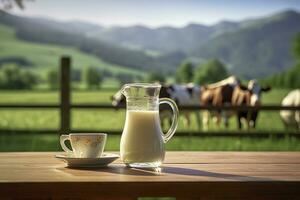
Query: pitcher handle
{"x":174,"y":124}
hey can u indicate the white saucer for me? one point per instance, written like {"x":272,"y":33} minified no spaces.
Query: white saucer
{"x":103,"y":161}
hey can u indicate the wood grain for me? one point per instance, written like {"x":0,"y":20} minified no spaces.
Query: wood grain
{"x":172,"y":157}
{"x":209,"y":175}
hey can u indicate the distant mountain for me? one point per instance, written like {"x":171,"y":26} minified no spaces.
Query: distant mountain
{"x":163,"y":39}
{"x":223,"y":27}
{"x":82,"y":26}
{"x":251,"y":48}
{"x":258,"y":47}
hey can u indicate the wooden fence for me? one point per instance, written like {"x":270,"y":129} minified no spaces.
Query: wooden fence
{"x":65,"y":112}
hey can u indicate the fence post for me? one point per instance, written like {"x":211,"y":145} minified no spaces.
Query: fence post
{"x":65,"y":117}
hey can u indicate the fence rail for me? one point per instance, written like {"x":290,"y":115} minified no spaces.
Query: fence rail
{"x":190,"y":108}
{"x":65,"y":108}
{"x":256,"y":134}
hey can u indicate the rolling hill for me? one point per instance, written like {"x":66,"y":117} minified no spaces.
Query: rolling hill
{"x":74,"y":34}
{"x":41,"y":57}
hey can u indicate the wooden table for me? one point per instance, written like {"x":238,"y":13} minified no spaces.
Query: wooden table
{"x":186,"y":175}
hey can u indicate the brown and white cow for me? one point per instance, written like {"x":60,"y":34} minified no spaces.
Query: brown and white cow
{"x":230,"y":92}
{"x":217,"y":94}
{"x":249,"y":97}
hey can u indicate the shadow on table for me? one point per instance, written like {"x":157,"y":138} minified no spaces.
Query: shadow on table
{"x":116,"y":169}
{"x":196,"y":172}
{"x":162,"y":171}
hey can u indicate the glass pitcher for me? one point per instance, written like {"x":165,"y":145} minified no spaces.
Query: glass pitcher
{"x":142,"y":141}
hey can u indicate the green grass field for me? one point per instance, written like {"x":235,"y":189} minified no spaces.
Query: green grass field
{"x":43,"y":57}
{"x":113,"y":120}
{"x":93,"y":118}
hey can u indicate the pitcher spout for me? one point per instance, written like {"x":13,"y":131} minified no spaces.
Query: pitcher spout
{"x":140,"y":90}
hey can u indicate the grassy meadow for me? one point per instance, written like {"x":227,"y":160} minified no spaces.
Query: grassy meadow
{"x":95,"y":119}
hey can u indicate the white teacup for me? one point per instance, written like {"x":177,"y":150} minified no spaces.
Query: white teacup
{"x":84,"y":145}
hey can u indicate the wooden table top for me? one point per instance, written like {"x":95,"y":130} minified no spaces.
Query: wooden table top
{"x":211,"y":175}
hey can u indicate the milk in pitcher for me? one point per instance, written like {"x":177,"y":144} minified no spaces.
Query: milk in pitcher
{"x":140,"y":143}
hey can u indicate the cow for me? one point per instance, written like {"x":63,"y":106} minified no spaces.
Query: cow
{"x":291,"y":118}
{"x":230,"y":91}
{"x":183,"y":95}
{"x":217,"y":94}
{"x":118,"y":99}
{"x":251,"y":96}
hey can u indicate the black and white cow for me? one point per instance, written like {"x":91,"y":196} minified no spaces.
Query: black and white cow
{"x":183,"y":95}
{"x":186,"y":95}
{"x":291,"y":118}
{"x":118,"y":99}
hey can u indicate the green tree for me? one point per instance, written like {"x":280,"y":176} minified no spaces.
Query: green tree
{"x":274,"y":80}
{"x":12,"y":77}
{"x":296,"y":47}
{"x":294,"y":74}
{"x":124,"y":78}
{"x":155,"y":77}
{"x":76,"y":75}
{"x":210,"y":72}
{"x":28,"y":79}
{"x":53,"y":79}
{"x":184,"y":73}
{"x":92,"y":77}
{"x":286,"y":80}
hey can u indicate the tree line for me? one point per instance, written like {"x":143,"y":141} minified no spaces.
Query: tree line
{"x":14,"y":77}
{"x":211,"y":71}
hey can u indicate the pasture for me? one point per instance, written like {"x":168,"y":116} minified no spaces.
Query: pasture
{"x":95,"y":119}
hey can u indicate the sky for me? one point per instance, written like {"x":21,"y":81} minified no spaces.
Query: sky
{"x":154,"y":13}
